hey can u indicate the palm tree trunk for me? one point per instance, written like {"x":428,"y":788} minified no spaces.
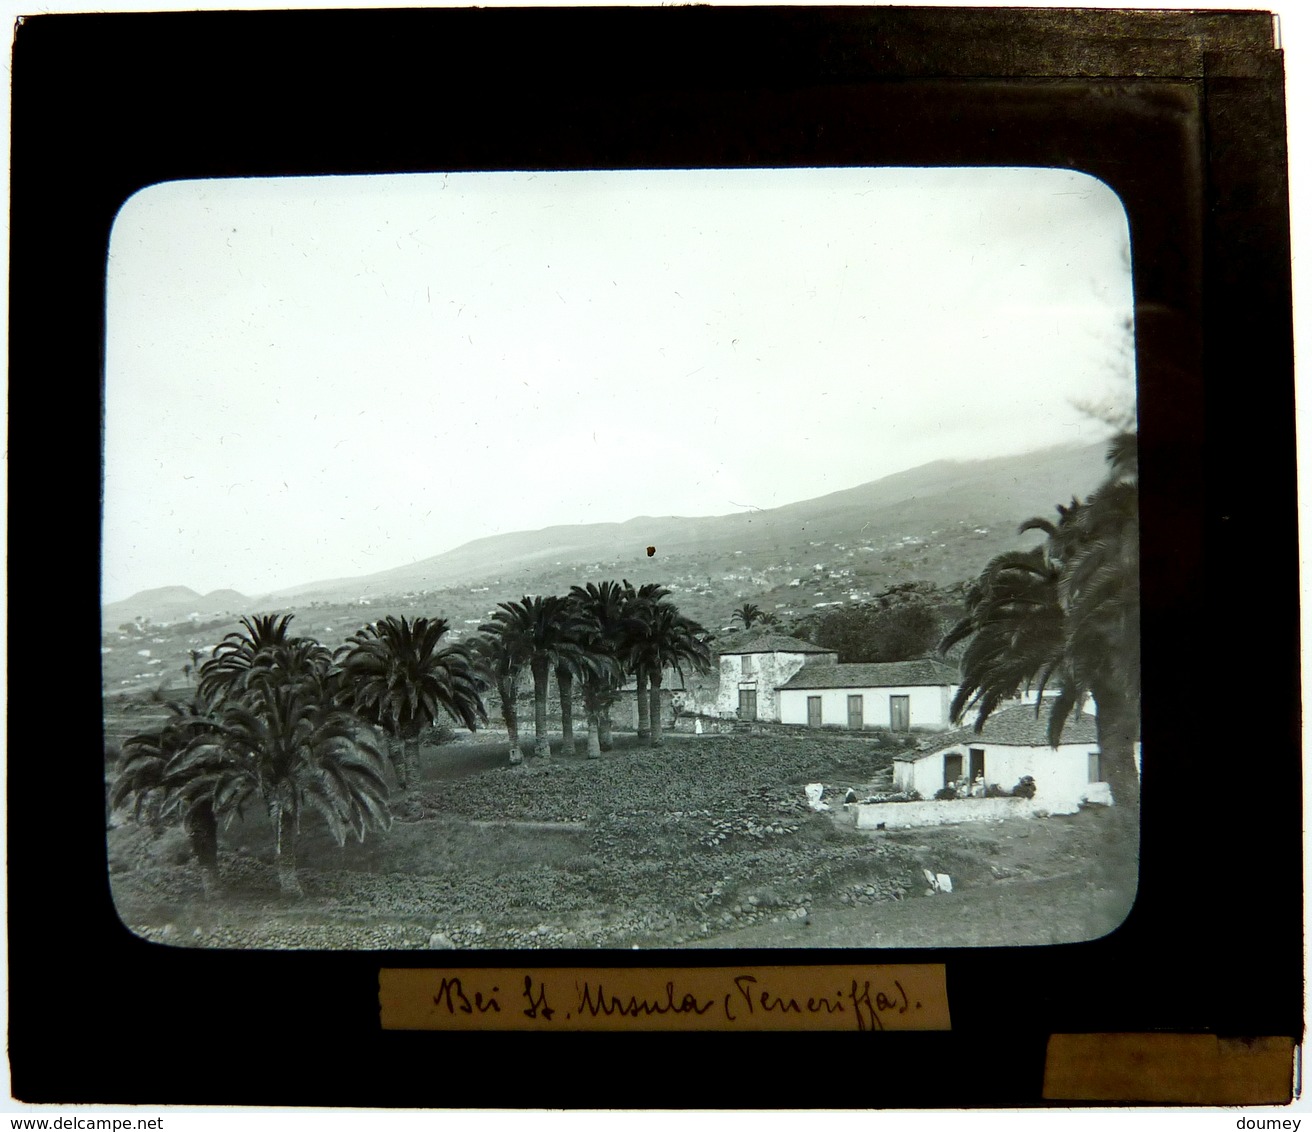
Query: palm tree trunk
{"x":565,"y":682}
{"x":509,"y":694}
{"x":396,"y":755}
{"x":644,"y":706}
{"x":284,"y":852}
{"x":541,"y":741}
{"x":410,"y":753}
{"x":203,"y":833}
{"x":1118,"y":731}
{"x":657,"y":722}
{"x":594,"y":735}
{"x":603,"y":729}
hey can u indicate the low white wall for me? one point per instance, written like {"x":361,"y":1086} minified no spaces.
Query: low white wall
{"x":909,"y":815}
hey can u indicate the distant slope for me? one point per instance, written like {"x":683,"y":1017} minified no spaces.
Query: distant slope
{"x":172,"y":603}
{"x":999,"y":492}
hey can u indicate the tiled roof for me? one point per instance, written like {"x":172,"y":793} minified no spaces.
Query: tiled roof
{"x":767,"y":642}
{"x":895,"y":674}
{"x":1018,"y":726}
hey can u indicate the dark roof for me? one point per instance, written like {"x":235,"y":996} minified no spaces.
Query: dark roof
{"x":1018,"y":726}
{"x":895,"y":674}
{"x":767,"y":642}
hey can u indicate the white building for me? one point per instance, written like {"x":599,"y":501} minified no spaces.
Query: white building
{"x":1013,"y":744}
{"x":753,"y":669}
{"x":897,"y":695}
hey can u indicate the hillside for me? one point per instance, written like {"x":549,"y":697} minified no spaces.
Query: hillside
{"x":174,"y":603}
{"x":938,"y":524}
{"x":934,"y":500}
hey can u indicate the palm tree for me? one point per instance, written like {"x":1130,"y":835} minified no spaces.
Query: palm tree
{"x":399,"y":675}
{"x":748,"y":614}
{"x":289,"y":752}
{"x":233,"y":658}
{"x":601,"y":607}
{"x":143,"y":776}
{"x":657,"y":637}
{"x":672,"y":642}
{"x":500,"y":667}
{"x":543,"y":631}
{"x":639,"y":608}
{"x":1066,"y":615}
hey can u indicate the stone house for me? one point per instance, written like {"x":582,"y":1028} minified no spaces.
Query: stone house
{"x":753,"y":668}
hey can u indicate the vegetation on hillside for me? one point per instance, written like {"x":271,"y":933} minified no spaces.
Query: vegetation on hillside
{"x":904,"y":622}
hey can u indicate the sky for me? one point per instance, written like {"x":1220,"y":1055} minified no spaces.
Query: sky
{"x":312,"y":378}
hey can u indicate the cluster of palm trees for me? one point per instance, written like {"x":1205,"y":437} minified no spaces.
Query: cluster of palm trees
{"x":595,"y":638}
{"x":283,"y":723}
{"x":1065,"y":616}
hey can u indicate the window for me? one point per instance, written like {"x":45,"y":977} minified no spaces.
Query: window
{"x":749,"y":666}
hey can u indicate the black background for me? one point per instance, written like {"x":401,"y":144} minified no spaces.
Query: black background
{"x":1181,"y":113}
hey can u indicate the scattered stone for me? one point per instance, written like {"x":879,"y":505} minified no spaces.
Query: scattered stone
{"x":440,"y":941}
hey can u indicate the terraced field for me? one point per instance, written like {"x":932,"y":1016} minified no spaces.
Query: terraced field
{"x":707,"y":841}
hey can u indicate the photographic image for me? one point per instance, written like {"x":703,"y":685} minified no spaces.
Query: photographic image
{"x":656,"y":559}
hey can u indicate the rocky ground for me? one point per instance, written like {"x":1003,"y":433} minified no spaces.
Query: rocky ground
{"x":706,"y":841}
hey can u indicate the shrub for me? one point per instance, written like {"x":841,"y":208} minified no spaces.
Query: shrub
{"x":995,"y":791}
{"x":947,"y":794}
{"x":439,"y":732}
{"x":1025,"y":788}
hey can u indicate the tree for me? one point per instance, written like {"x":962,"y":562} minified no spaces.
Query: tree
{"x":501,"y":667}
{"x":144,"y":776}
{"x":288,"y":752}
{"x":543,"y":632}
{"x":399,"y":675}
{"x":1065,"y":616}
{"x":748,"y":614}
{"x":601,"y":608}
{"x":232,"y":660}
{"x":640,"y":606}
{"x":903,"y":623}
{"x":668,"y":640}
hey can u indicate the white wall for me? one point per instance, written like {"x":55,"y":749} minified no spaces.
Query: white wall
{"x":929,"y":705}
{"x":769,"y":670}
{"x":1062,"y":774}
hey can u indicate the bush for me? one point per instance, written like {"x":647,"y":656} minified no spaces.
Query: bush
{"x":438,"y":733}
{"x":996,"y":791}
{"x":1025,"y":788}
{"x":947,"y":794}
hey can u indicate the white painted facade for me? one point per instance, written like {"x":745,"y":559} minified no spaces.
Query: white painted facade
{"x":760,"y":673}
{"x":1063,"y":774}
{"x":927,"y":705}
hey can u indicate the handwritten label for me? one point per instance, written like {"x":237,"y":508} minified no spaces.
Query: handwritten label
{"x":865,"y":999}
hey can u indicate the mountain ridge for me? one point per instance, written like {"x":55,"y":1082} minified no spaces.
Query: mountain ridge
{"x":927,"y":501}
